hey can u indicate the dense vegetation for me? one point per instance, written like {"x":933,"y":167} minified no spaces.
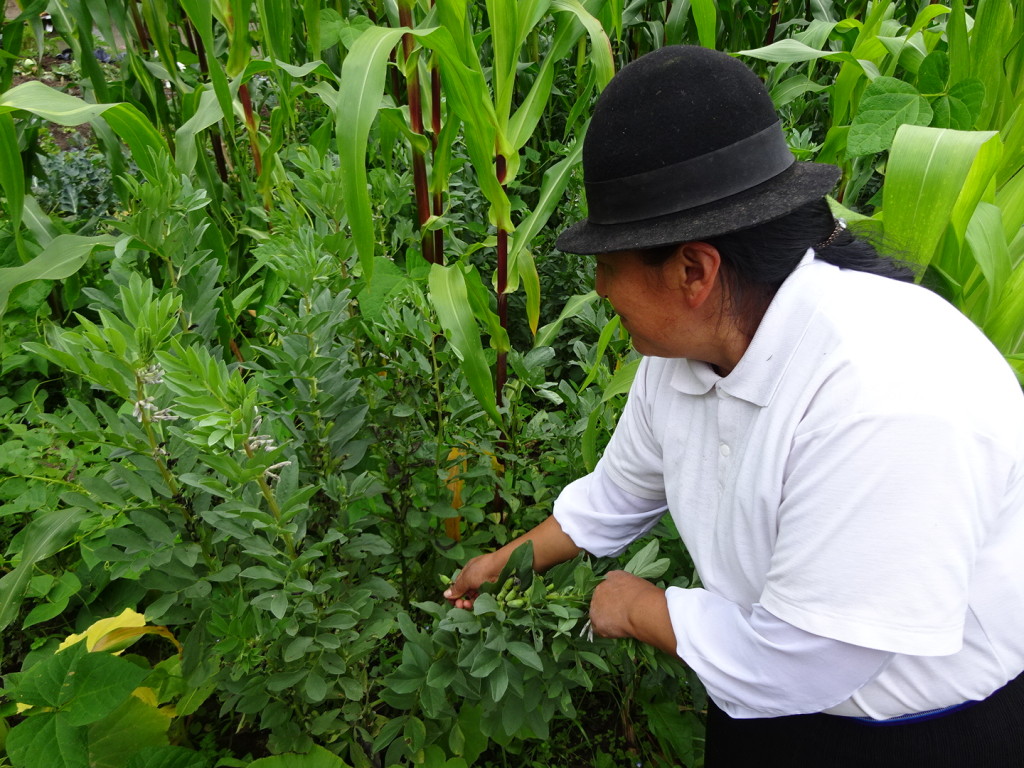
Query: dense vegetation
{"x":284,"y":341}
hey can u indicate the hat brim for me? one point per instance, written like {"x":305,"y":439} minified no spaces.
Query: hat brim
{"x":799,"y":184}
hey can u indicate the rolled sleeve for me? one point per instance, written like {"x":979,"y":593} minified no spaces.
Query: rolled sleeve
{"x":601,"y":518}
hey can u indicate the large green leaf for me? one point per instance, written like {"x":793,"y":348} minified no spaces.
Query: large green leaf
{"x":50,"y":104}
{"x":791,"y":51}
{"x":362,"y":86}
{"x":131,"y":727}
{"x":928,"y":172}
{"x":47,"y":740}
{"x":450,"y":298}
{"x":887,"y":103}
{"x":134,"y":129}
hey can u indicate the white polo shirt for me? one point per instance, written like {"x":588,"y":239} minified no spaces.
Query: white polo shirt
{"x":859,"y":475}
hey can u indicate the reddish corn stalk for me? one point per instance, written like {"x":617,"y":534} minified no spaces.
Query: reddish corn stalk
{"x":419,"y":163}
{"x":502,"y":267}
{"x":500,"y":368}
{"x":772,"y":24}
{"x":435,"y":125}
{"x":250,"y":123}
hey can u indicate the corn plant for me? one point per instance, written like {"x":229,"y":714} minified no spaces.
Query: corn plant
{"x":933,"y":106}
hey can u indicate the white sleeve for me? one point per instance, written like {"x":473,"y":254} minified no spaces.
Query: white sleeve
{"x":602,"y":518}
{"x":757,"y":665}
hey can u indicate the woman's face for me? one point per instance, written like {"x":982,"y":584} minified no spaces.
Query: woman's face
{"x":649,"y":308}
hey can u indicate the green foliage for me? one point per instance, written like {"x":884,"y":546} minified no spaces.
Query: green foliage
{"x":257,"y":399}
{"x":85,"y":706}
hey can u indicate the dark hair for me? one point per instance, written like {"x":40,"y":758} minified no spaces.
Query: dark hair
{"x":756,"y":261}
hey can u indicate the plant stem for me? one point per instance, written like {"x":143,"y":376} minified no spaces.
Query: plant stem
{"x":419,"y":163}
{"x":435,"y":120}
{"x":250,"y":124}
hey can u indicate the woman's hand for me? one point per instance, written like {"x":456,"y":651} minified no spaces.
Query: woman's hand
{"x":550,"y":547}
{"x":625,"y":605}
{"x":465,"y":588}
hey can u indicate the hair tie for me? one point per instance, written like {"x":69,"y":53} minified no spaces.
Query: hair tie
{"x":840,"y":226}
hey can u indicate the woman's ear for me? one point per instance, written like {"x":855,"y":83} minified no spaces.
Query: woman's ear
{"x":693,"y":269}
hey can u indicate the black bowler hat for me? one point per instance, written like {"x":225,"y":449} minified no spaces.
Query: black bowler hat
{"x":685,"y":145}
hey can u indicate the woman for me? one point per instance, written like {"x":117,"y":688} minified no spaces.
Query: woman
{"x":841,"y":451}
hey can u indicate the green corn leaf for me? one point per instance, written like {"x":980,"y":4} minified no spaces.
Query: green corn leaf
{"x":621,"y":380}
{"x":240,"y":47}
{"x":134,"y":129}
{"x":986,"y":243}
{"x":925,"y":17}
{"x":450,"y":299}
{"x":1013,"y":143}
{"x":524,"y":121}
{"x":609,"y":330}
{"x":588,"y":441}
{"x":958,"y":43}
{"x":1005,"y":324}
{"x":480,"y":304}
{"x":46,"y":534}
{"x":926,"y":175}
{"x":552,"y":187}
{"x":143,"y":140}
{"x":793,"y":88}
{"x":989,"y":38}
{"x":522,"y":267}
{"x":504,"y":26}
{"x":61,"y":258}
{"x":200,"y":13}
{"x":50,"y":104}
{"x":467,"y":94}
{"x":705,"y":17}
{"x":12,"y":176}
{"x":572,"y":308}
{"x":276,"y":21}
{"x":207,"y":113}
{"x":791,"y":51}
{"x":359,"y":98}
{"x":1010,"y":199}
{"x":600,"y":45}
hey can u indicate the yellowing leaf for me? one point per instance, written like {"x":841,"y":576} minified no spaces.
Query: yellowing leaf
{"x":96,"y":632}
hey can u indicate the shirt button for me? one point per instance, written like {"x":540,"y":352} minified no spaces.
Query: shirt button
{"x":724,"y":449}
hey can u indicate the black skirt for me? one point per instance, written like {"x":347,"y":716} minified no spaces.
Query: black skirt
{"x":986,"y":734}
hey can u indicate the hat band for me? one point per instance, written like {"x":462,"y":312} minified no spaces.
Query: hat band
{"x":703,"y":179}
